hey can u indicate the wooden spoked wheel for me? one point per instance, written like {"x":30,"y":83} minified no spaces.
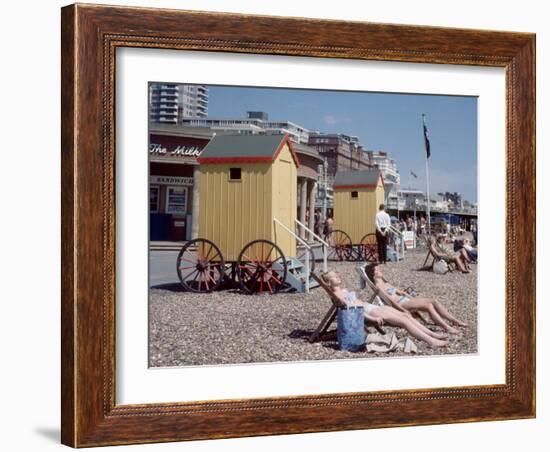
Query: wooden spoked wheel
{"x":369,"y":248}
{"x":341,"y":248}
{"x":200,"y":266}
{"x":261,"y":267}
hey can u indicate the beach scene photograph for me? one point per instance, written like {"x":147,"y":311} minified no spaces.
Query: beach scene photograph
{"x":291,"y":225}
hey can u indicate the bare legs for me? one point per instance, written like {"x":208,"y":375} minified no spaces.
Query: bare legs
{"x":436,"y":310}
{"x":404,"y":320}
{"x":460,"y":263}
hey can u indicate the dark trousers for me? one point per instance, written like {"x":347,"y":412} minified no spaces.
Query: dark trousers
{"x":382,"y":242}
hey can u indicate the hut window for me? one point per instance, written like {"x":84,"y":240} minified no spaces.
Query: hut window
{"x":234,"y":174}
{"x":354,"y":194}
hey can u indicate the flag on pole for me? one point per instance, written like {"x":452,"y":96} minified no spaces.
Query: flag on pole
{"x":413,"y":174}
{"x":426,"y":138}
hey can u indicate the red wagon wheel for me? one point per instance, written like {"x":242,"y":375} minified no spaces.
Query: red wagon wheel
{"x":261,"y":267}
{"x":200,"y":266}
{"x":340,"y":246}
{"x":369,"y":248}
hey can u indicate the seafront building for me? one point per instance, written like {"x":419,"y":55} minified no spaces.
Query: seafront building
{"x":170,"y":103}
{"x":174,"y":179}
{"x":177,"y":140}
{"x":390,"y":173}
{"x":256,"y":122}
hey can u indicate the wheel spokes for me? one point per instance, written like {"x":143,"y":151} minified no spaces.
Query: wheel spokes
{"x":256,"y":267}
{"x":199,"y":266}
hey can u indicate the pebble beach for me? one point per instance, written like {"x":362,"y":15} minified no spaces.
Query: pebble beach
{"x":229,"y":327}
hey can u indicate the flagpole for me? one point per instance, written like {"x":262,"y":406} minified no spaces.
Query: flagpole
{"x":427,"y":145}
{"x":428,"y":197}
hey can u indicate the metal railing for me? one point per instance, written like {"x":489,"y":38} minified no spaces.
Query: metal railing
{"x":303,"y":242}
{"x":324,"y":244}
{"x":398,"y":233}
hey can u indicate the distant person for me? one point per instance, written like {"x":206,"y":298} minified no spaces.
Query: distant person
{"x":383,"y":223}
{"x":329,"y":227}
{"x":318,"y":222}
{"x":470,"y":250}
{"x":422,"y":225}
{"x":460,"y":258}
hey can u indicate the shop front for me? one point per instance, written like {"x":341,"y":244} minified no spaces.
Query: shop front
{"x":170,"y":207}
{"x":173,"y":183}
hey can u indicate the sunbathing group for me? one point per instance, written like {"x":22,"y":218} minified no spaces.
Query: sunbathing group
{"x":461,"y":257}
{"x":391,"y":316}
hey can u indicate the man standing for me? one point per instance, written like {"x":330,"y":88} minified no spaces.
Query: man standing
{"x":383,"y":223}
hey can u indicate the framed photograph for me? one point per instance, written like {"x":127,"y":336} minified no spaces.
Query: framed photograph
{"x":267,"y":231}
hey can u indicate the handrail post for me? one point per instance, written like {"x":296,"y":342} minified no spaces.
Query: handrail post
{"x":307,"y":273}
{"x":308,"y":247}
{"x":325,"y":258}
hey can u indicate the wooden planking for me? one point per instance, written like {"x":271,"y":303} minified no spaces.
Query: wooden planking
{"x":224,"y":216}
{"x":284,"y":187}
{"x":356,"y":216}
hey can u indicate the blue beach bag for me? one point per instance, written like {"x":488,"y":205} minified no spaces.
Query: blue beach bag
{"x":351,"y":328}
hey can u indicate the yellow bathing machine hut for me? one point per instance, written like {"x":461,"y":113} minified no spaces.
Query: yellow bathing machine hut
{"x":247,"y":212}
{"x":357,"y":196}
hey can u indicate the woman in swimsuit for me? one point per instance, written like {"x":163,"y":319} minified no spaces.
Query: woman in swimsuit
{"x":433,"y":307}
{"x":385,"y":314}
{"x":460,"y":258}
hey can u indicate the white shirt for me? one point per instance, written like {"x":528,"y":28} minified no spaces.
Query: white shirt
{"x":382,"y":220}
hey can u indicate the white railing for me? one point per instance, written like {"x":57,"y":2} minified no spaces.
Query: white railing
{"x":398,"y":233}
{"x":303,"y":242}
{"x":324,"y":244}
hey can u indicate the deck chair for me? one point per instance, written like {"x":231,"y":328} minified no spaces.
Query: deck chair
{"x":432,"y":252}
{"x":321,"y":332}
{"x":384,"y":297}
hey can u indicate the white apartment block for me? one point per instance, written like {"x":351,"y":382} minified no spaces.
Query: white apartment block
{"x":171,"y":102}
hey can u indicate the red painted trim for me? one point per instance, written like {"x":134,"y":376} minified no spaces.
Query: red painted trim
{"x":285,"y":140}
{"x":355,"y":186}
{"x":203,"y":160}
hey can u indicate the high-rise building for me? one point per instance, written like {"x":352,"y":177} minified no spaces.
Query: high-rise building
{"x":172,"y":102}
{"x":387,"y":167}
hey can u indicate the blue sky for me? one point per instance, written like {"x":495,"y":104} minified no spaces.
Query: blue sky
{"x":382,"y":121}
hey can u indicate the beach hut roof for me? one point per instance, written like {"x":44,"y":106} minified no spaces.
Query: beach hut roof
{"x":245,"y":149}
{"x":358,"y":179}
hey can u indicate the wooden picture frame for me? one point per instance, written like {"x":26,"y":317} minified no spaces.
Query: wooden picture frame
{"x":90,"y":36}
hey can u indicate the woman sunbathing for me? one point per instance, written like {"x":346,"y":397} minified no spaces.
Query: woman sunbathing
{"x":385,"y":314}
{"x":460,"y":258}
{"x":433,"y":307}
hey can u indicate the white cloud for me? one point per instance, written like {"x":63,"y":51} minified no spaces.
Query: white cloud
{"x":331,"y":120}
